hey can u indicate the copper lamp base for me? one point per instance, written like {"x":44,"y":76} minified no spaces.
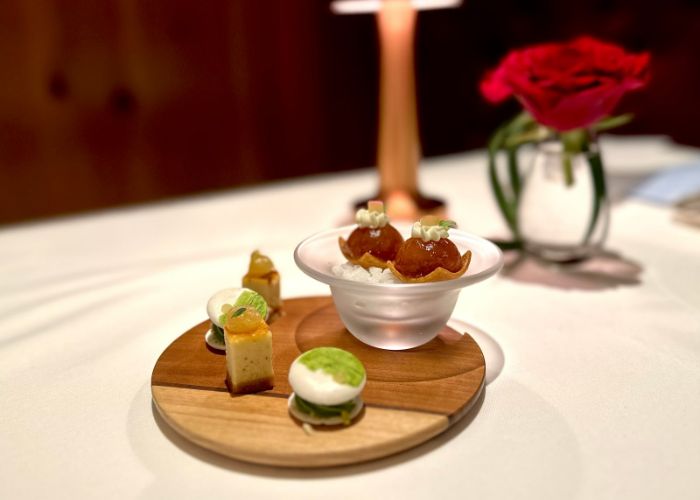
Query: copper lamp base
{"x":403,"y":206}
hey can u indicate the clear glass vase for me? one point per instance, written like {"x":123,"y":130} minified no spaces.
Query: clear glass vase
{"x":563,"y":211}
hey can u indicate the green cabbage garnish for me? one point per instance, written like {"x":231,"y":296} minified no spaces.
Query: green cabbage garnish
{"x":343,"y":366}
{"x":218,"y":332}
{"x":325,"y":411}
{"x":254,"y":299}
{"x":447,"y":224}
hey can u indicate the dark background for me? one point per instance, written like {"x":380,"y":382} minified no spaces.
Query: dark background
{"x":123,"y":101}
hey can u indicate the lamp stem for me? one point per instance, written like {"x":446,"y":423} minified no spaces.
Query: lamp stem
{"x":398,"y":148}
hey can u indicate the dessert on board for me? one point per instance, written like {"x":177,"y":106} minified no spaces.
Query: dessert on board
{"x":327,"y":383}
{"x":248,"y":351}
{"x":374,"y":241}
{"x":429,"y":254}
{"x":263,"y":278}
{"x":222,"y":302}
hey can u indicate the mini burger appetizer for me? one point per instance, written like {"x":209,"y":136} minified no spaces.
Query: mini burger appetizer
{"x":429,"y":255}
{"x":221,"y":303}
{"x":327,"y":383}
{"x":374,"y":242}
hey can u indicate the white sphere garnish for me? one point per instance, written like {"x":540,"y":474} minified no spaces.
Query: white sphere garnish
{"x":318,"y":387}
{"x":371,"y":218}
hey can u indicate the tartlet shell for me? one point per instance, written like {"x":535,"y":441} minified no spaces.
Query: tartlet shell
{"x":438,"y":274}
{"x":367,"y":260}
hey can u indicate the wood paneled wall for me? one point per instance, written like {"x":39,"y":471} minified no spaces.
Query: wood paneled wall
{"x":118,"y":101}
{"x":109,"y":102}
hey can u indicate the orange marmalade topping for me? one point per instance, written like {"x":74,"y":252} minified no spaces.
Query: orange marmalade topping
{"x":418,"y":258}
{"x":382,"y":242}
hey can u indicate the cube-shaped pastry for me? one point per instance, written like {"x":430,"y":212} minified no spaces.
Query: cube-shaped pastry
{"x":264,"y":279}
{"x":248,"y":352}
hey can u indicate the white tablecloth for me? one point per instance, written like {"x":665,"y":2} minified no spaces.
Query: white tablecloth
{"x":599,"y":396}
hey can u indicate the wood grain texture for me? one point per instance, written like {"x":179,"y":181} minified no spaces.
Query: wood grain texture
{"x":410,"y":395}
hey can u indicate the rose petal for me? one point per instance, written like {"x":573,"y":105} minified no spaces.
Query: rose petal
{"x":494,"y":88}
{"x":567,"y":85}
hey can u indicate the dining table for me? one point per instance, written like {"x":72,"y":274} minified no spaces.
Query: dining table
{"x":592,"y":368}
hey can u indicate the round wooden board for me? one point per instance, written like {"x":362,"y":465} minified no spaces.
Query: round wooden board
{"x":410,"y":396}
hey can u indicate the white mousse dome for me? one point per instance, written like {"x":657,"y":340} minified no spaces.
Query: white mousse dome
{"x":319,"y":387}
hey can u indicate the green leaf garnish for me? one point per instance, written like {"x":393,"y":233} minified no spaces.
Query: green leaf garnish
{"x":218,"y":333}
{"x":223,"y":318}
{"x":447,"y":224}
{"x":325,"y":411}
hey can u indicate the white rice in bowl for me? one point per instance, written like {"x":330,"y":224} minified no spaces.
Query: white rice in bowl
{"x":352,"y":272}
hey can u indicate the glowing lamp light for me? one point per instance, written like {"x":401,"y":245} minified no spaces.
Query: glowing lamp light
{"x":368,"y":6}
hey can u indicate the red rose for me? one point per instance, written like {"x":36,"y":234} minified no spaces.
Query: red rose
{"x":567,"y":85}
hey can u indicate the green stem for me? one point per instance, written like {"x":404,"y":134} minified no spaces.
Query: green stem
{"x":520,"y":130}
{"x":574,"y":142}
{"x":507,"y":207}
{"x":514,"y":173}
{"x":568,"y":169}
{"x":612,"y":122}
{"x":595,"y":161}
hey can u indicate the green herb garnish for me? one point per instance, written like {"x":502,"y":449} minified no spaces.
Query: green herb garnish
{"x":225,"y":316}
{"x":447,"y":224}
{"x":218,"y":332}
{"x":325,"y":411}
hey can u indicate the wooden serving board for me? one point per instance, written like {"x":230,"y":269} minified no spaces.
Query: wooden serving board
{"x":410,"y":396}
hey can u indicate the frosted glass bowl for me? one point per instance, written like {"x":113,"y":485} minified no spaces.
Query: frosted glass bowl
{"x":394,"y":316}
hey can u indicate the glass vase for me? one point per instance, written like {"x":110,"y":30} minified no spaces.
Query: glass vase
{"x":563,"y":210}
